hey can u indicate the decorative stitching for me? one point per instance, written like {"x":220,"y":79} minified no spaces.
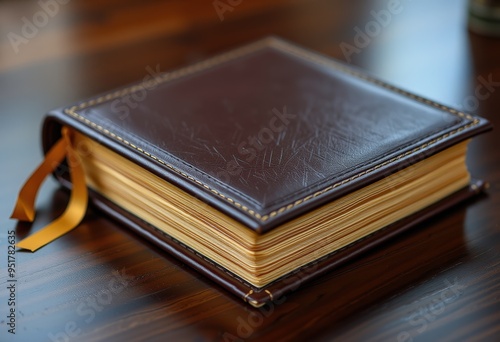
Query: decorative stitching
{"x":361,"y":165}
{"x":186,"y":165}
{"x":304,"y":54}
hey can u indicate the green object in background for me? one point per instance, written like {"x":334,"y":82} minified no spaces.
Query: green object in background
{"x":484,"y":17}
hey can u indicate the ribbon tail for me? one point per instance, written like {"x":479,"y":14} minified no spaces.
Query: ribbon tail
{"x":77,"y":207}
{"x":25,"y":204}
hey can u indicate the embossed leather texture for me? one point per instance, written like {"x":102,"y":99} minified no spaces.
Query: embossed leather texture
{"x":265,"y":133}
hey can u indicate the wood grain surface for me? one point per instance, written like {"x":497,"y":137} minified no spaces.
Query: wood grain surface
{"x":439,"y":282}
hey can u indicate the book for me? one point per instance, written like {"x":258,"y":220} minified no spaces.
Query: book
{"x":264,"y":166}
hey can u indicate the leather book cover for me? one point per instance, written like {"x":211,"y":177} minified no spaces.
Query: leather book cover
{"x":266,"y":133}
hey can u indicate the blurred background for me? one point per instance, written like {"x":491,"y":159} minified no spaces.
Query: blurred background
{"x":56,"y":52}
{"x":84,"y":47}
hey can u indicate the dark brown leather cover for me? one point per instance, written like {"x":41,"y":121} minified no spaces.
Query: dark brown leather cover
{"x":265,"y":133}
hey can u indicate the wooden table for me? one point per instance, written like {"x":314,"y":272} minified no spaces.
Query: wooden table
{"x":440,"y":282}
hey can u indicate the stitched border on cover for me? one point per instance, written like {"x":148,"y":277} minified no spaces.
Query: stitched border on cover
{"x":72,"y":111}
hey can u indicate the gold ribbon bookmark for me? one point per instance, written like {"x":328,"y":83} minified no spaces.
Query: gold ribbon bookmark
{"x":77,"y":206}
